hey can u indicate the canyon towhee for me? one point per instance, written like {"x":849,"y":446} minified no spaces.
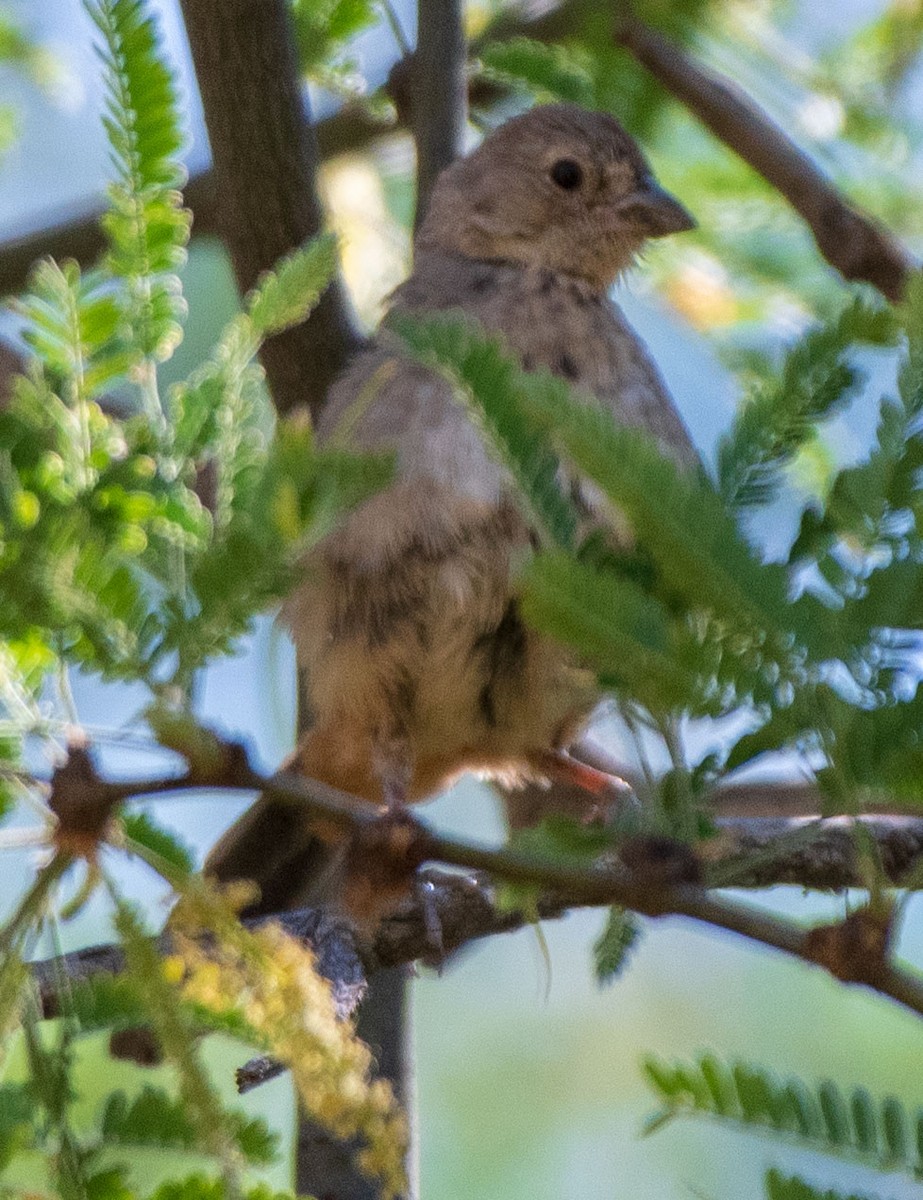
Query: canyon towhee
{"x":418,"y":664}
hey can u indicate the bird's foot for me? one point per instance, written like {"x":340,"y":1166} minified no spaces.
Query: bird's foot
{"x":425,"y":893}
{"x":560,"y":767}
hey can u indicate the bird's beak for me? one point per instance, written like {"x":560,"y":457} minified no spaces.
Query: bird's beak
{"x":654,"y":212}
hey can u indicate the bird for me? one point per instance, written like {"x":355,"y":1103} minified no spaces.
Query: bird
{"x":419,"y":665}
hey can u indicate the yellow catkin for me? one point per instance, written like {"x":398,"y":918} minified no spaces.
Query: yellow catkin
{"x":271,"y":980}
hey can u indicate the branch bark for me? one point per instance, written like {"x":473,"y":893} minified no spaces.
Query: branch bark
{"x":851,"y":241}
{"x":439,"y":92}
{"x":265,"y":159}
{"x":649,"y":875}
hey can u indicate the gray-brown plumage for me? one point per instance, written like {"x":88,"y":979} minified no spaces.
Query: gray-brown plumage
{"x":419,"y":666}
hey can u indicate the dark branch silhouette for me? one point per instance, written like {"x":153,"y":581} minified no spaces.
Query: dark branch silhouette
{"x":649,"y":875}
{"x":265,"y":164}
{"x":853,"y":242}
{"x":849,"y":240}
{"x":438,"y":92}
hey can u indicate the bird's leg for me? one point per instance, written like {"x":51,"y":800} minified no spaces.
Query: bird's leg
{"x":392,"y":763}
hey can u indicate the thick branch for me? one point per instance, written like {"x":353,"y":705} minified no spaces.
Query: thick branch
{"x":465,"y":910}
{"x":265,"y":162}
{"x":648,"y":876}
{"x":332,"y":943}
{"x":850,"y":240}
{"x":439,"y":92}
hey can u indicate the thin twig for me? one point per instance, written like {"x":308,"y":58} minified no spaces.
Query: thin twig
{"x":850,"y":240}
{"x":397,"y":28}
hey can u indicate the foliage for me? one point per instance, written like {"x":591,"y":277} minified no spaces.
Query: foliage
{"x":815,"y":381}
{"x":140,"y":535}
{"x":689,"y":620}
{"x":323,"y":32}
{"x":781,"y":1187}
{"x":614,"y":944}
{"x":20,"y":53}
{"x":478,"y":366}
{"x":682,"y":617}
{"x":548,"y":72}
{"x":146,"y":224}
{"x":881,"y":1134}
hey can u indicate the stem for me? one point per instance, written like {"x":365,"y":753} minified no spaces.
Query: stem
{"x":33,"y":902}
{"x":396,"y":28}
{"x":66,"y":693}
{"x":178,"y":1042}
{"x":76,"y":386}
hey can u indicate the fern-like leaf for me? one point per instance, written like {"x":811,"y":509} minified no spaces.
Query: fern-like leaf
{"x":324,"y":31}
{"x":622,"y":632}
{"x":71,"y":323}
{"x":677,"y":517}
{"x":489,"y":383}
{"x":154,"y":1118}
{"x":146,"y":225}
{"x":880,"y":1134}
{"x":774,"y":422}
{"x":614,"y":944}
{"x":141,"y":827}
{"x":199,"y":1187}
{"x":547,"y":72}
{"x":792,"y":1187}
{"x":286,"y":294}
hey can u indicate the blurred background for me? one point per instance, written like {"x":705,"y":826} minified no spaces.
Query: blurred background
{"x":528,"y":1074}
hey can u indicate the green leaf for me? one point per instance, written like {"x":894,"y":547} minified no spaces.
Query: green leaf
{"x":106,"y":1002}
{"x":71,"y":325}
{"x":199,"y":1187}
{"x":110,"y":1184}
{"x":676,"y":516}
{"x":146,"y":225}
{"x":780,"y":414}
{"x":624,"y":633}
{"x":17,"y":1113}
{"x":490,"y":385}
{"x":792,"y":1187}
{"x":612,"y":947}
{"x":141,"y":828}
{"x":285,"y":296}
{"x":324,"y":30}
{"x":819,"y":1116}
{"x":549,"y":72}
{"x":154,"y":1118}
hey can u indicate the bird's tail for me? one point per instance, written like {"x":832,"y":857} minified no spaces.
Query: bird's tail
{"x":275,"y":845}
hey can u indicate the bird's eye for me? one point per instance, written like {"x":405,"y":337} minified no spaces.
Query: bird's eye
{"x":567,"y":174}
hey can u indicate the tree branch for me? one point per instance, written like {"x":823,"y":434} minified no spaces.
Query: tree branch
{"x":352,"y":128}
{"x":439,"y":92}
{"x":331,"y":941}
{"x":265,"y":163}
{"x":851,"y":241}
{"x":648,"y":876}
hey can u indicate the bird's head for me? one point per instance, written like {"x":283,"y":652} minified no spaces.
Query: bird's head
{"x":558,"y":187}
